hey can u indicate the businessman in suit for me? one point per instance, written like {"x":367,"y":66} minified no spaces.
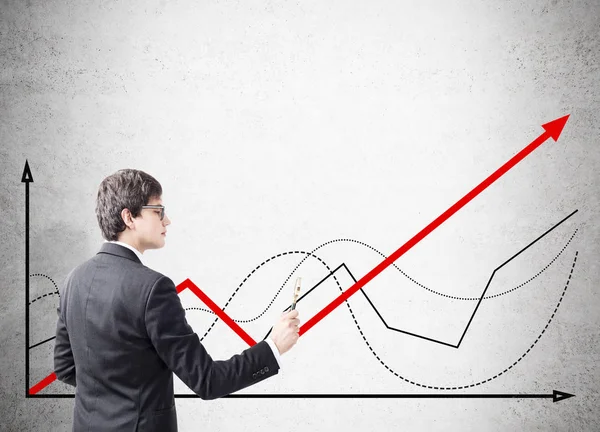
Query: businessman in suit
{"x":122,"y":332}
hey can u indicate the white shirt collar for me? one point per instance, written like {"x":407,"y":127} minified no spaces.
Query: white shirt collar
{"x":137,"y":252}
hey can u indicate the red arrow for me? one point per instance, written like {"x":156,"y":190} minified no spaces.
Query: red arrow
{"x":553,"y":130}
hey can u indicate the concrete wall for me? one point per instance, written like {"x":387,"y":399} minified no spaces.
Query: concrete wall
{"x":280,"y":126}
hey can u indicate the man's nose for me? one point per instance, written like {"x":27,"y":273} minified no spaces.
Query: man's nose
{"x":166,"y":220}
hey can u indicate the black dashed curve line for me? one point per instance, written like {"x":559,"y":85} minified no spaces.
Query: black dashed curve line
{"x":53,"y":283}
{"x":42,"y":296}
{"x":442,"y":387}
{"x":491,"y":378}
{"x":468,"y":385}
{"x":276,"y":294}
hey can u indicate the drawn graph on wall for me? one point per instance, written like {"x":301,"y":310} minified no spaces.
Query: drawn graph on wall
{"x":397,"y":333}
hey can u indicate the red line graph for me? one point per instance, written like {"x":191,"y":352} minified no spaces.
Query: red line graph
{"x":216,"y":309}
{"x":180,"y":288}
{"x":553,"y":130}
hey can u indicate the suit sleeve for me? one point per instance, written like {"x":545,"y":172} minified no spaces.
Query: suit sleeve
{"x":64,"y":365}
{"x":179,"y":347}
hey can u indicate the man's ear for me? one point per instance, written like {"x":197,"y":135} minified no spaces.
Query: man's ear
{"x":127,"y":218}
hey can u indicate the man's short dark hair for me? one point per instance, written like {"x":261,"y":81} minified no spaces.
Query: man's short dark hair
{"x":127,"y":188}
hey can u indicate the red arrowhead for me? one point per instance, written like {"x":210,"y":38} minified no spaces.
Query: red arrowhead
{"x":555,"y":127}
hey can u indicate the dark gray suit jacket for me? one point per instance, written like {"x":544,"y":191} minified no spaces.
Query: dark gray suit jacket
{"x":122,"y":332}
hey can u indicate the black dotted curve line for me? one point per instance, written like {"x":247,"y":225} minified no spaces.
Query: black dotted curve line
{"x":447,"y":295}
{"x":505,"y":292}
{"x":276,"y":294}
{"x":375,"y":250}
{"x":47,"y":294}
{"x":495,"y":376}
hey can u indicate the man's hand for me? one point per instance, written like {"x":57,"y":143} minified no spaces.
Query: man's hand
{"x":285,"y":332}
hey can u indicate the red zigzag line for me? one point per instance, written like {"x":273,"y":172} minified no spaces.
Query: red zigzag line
{"x":180,"y":288}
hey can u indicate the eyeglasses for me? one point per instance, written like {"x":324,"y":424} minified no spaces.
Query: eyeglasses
{"x":158,"y":207}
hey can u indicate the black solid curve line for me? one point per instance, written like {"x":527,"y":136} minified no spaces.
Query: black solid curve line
{"x":485,"y":297}
{"x":446,"y":295}
{"x":476,"y":307}
{"x":332,"y":273}
{"x":311,"y":254}
{"x":502,"y":265}
{"x":343,"y":265}
{"x":42,"y":342}
{"x":480,"y":299}
{"x":414,"y":281}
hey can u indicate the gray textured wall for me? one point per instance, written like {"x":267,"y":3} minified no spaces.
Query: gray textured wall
{"x":280,"y":126}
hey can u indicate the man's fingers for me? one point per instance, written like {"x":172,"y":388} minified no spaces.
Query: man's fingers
{"x":290,"y":319}
{"x":292,"y":314}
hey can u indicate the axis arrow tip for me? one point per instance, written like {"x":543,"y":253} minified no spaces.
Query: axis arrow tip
{"x":555,"y":127}
{"x":558,"y":396}
{"x":27,"y":177}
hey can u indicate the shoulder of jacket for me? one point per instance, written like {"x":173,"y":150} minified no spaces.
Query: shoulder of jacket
{"x":146,"y":274}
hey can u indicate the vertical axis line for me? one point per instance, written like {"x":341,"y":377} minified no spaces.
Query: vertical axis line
{"x":27,"y":289}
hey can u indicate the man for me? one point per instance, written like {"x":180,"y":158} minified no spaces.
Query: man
{"x":122,"y":332}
